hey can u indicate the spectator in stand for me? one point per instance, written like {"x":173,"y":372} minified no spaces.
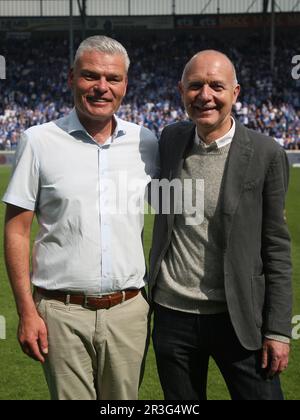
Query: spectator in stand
{"x":34,"y":94}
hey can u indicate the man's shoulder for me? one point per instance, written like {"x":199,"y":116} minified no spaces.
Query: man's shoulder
{"x":263,"y":142}
{"x":128,"y":125}
{"x":171,"y":134}
{"x":181,"y":127}
{"x":37,"y":130}
{"x":140,"y":131}
{"x":33,"y":136}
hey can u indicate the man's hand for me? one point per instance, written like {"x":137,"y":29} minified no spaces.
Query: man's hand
{"x":275,"y":357}
{"x":33,"y":337}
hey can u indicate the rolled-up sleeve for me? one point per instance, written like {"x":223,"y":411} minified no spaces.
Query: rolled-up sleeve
{"x":23,"y":187}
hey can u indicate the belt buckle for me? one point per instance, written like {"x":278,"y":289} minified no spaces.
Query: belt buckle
{"x":86,"y":303}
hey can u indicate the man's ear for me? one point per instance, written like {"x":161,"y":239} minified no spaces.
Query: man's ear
{"x":71,"y":78}
{"x":237,"y":91}
{"x":126,"y":86}
{"x":180,"y":87}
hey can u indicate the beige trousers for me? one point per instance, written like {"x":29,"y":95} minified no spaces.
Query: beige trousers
{"x":95,"y":355}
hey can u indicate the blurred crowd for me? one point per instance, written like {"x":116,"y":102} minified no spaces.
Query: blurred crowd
{"x":36,"y":90}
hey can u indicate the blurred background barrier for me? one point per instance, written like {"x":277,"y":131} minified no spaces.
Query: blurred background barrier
{"x":7,"y":158}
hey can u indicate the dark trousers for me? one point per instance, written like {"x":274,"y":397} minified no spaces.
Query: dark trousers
{"x":183,"y":344}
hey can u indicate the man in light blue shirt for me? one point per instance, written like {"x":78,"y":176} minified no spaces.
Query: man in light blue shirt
{"x":84,"y":177}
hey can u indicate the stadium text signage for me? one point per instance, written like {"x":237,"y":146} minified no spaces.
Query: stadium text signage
{"x":296,"y":69}
{"x":2,"y":67}
{"x":296,"y":329}
{"x":250,"y":20}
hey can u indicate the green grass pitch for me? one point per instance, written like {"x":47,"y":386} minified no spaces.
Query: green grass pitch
{"x":22,"y":379}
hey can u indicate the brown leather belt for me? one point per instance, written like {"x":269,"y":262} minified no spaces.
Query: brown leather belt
{"x":89,"y":302}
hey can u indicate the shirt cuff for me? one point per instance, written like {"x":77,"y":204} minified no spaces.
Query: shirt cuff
{"x":277,"y":337}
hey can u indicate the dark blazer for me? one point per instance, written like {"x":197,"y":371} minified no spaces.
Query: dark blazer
{"x":257,"y":260}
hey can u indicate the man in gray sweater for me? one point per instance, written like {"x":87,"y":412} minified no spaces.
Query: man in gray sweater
{"x":221,"y":288}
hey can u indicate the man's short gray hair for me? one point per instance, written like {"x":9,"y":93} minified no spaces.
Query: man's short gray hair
{"x":102,"y":44}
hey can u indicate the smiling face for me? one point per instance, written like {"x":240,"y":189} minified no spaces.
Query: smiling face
{"x":209,"y":90}
{"x":99,"y":83}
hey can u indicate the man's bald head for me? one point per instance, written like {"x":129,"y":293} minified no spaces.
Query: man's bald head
{"x":209,"y":89}
{"x":217,"y":57}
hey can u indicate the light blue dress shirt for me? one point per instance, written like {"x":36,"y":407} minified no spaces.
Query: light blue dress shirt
{"x":88,"y":200}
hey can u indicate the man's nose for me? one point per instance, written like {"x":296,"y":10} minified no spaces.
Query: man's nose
{"x":205,"y":93}
{"x":101,"y":85}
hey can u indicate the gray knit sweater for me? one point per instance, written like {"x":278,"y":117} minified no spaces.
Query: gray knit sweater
{"x":191,"y":278}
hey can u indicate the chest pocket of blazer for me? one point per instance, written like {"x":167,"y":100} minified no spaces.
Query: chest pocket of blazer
{"x":251,"y":185}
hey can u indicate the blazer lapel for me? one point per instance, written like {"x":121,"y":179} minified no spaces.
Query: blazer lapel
{"x":182,"y":142}
{"x":238,"y":161}
{"x":184,"y":139}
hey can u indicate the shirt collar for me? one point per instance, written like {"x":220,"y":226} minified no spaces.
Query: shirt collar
{"x":74,"y":125}
{"x":120,"y":128}
{"x":222,"y":141}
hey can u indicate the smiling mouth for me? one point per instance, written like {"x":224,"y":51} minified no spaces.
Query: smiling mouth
{"x":201,"y":109}
{"x":98,"y":100}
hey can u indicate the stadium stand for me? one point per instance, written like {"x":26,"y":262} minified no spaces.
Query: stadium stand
{"x":36,"y":88}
